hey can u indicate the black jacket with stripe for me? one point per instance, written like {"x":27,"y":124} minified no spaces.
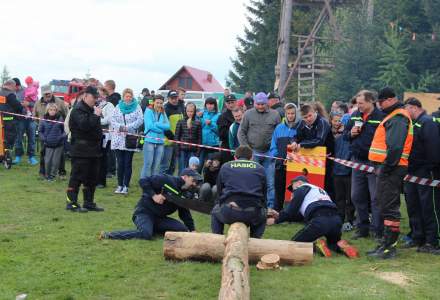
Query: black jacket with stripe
{"x":360,"y":144}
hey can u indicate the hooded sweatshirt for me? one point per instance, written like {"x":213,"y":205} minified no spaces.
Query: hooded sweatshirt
{"x":284,"y":135}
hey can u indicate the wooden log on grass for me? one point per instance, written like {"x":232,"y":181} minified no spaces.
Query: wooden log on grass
{"x":235,"y":268}
{"x":210,"y":247}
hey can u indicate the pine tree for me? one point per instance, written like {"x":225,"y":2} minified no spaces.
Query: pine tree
{"x":254,"y":67}
{"x":5,"y":75}
{"x":393,"y":61}
{"x":355,"y":59}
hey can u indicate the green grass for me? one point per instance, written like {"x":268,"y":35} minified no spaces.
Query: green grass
{"x":50,"y":253}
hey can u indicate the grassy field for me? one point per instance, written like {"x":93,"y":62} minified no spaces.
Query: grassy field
{"x":50,"y":253}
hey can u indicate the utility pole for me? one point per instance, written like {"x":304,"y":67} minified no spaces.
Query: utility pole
{"x":283,"y":44}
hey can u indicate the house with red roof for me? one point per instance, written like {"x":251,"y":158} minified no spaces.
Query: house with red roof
{"x":192,"y":79}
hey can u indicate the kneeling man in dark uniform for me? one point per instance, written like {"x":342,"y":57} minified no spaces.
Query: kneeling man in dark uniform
{"x":152,"y":211}
{"x":313,"y":205}
{"x":241,"y":189}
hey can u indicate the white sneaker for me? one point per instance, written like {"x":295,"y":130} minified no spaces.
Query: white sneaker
{"x":118,"y":190}
{"x":124,"y":190}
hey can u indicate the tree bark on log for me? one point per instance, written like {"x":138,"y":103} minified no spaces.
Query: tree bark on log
{"x":210,"y":247}
{"x":235,"y":268}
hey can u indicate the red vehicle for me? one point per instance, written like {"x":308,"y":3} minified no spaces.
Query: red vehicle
{"x":75,"y":86}
{"x":68,"y":90}
{"x":59,"y":88}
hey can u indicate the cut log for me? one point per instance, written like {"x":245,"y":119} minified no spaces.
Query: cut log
{"x":210,"y":247}
{"x":235,"y":268}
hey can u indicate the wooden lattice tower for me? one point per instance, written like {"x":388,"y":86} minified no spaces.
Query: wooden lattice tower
{"x":308,"y":65}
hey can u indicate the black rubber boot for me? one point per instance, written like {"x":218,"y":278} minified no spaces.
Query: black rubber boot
{"x":388,"y":248}
{"x":72,"y":202}
{"x":89,"y":203}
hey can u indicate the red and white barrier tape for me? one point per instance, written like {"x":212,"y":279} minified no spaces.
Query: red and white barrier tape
{"x":150,"y":137}
{"x":305,"y":159}
{"x":370,"y":169}
{"x":353,"y":165}
{"x":422,"y":181}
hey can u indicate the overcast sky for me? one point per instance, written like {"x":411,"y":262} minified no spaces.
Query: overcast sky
{"x":137,"y":43}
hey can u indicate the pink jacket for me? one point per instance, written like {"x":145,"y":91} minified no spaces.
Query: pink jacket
{"x":31,"y":92}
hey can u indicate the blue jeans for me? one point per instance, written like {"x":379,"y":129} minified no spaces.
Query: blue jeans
{"x":27,"y":126}
{"x":152,"y":158}
{"x":147,"y":225}
{"x":125,"y":162}
{"x":184,"y":157}
{"x":167,"y":164}
{"x":269,"y":167}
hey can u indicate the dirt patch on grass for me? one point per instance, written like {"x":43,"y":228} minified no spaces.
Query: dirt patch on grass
{"x":398,"y":278}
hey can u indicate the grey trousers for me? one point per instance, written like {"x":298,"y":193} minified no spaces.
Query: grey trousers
{"x":52,"y":159}
{"x":363,"y":195}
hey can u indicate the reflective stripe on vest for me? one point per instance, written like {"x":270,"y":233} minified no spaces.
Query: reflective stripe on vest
{"x":436,"y":119}
{"x":8,"y":118}
{"x":378,"y":150}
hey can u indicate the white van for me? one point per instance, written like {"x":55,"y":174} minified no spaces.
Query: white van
{"x":196,"y":97}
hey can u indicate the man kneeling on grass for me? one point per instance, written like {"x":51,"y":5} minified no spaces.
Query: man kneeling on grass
{"x":313,"y":205}
{"x":152,"y":211}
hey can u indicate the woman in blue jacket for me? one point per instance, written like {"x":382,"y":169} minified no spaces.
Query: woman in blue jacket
{"x":156,"y":123}
{"x":210,"y":136}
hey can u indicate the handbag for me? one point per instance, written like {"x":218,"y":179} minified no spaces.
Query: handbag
{"x":131,"y":141}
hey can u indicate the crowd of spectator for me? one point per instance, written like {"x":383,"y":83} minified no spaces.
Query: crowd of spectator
{"x":173,"y":129}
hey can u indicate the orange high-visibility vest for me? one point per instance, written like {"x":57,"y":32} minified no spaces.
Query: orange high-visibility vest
{"x":378,"y":150}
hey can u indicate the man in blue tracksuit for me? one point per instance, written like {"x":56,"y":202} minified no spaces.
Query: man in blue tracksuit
{"x":283,"y":135}
{"x":241,"y":188}
{"x":422,"y":201}
{"x":152,"y":211}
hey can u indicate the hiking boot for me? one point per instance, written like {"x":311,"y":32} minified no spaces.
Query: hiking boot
{"x":373,"y":252}
{"x":322,"y":248}
{"x":385,"y":252}
{"x":349,"y":250}
{"x":89,"y":202}
{"x":17,"y":160}
{"x":93,"y":207}
{"x":388,"y":248}
{"x":75,"y":207}
{"x":72,"y":202}
{"x":429,"y":248}
{"x":32,"y":160}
